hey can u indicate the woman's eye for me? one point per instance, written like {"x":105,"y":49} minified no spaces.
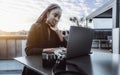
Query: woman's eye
{"x":55,"y":15}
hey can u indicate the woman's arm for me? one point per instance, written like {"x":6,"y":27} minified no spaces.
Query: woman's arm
{"x":64,"y":43}
{"x":33,"y":51}
{"x":31,"y":46}
{"x":62,"y":39}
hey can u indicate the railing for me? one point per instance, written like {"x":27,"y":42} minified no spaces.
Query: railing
{"x":101,"y":43}
{"x":12,"y":46}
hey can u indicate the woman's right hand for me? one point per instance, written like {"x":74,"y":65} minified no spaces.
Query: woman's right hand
{"x":49,"y":50}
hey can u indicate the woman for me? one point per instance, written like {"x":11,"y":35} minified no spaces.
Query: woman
{"x":44,"y":36}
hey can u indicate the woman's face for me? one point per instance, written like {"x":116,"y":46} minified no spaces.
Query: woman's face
{"x":53,"y":17}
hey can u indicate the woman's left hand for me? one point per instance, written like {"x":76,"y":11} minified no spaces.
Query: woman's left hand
{"x":54,"y":28}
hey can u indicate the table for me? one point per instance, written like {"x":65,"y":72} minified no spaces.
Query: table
{"x":93,"y":64}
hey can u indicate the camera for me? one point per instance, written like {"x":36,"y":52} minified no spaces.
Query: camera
{"x":57,"y":57}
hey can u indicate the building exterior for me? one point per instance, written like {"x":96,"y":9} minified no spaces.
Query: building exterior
{"x":110,"y":10}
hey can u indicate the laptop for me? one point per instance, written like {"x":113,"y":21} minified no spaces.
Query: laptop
{"x":79,"y":41}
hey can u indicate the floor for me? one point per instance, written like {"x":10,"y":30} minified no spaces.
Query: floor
{"x":12,"y":67}
{"x":101,"y":50}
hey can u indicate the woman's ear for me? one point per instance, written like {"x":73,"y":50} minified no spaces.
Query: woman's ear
{"x":47,"y":14}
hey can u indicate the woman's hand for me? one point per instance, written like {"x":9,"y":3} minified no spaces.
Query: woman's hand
{"x":51,"y":50}
{"x":48,"y":50}
{"x":55,"y":28}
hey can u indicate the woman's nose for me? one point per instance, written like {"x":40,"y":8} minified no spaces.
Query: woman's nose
{"x":56,"y":18}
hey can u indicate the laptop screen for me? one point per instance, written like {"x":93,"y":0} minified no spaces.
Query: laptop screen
{"x":79,"y":41}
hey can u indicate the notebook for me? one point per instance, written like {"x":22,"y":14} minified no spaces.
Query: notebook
{"x":79,"y":41}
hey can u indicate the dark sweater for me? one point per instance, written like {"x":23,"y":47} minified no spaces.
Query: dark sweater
{"x":38,"y":39}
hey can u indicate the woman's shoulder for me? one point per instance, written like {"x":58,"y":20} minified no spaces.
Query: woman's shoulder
{"x":36,"y":25}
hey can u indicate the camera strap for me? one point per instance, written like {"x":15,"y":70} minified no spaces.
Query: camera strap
{"x":57,"y":70}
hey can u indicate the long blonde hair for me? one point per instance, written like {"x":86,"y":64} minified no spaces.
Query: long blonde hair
{"x":43,"y":16}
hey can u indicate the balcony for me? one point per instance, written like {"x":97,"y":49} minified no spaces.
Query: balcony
{"x":12,"y":46}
